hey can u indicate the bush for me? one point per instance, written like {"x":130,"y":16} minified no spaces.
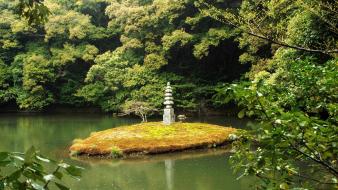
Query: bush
{"x":27,"y":171}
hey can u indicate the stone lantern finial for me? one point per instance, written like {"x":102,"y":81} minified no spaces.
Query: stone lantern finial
{"x":168,"y":115}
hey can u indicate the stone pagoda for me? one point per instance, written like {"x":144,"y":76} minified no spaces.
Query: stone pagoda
{"x":168,"y":114}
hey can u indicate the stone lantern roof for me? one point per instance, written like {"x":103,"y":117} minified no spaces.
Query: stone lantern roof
{"x":168,"y":96}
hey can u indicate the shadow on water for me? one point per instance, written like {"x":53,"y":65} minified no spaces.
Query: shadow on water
{"x":53,"y":134}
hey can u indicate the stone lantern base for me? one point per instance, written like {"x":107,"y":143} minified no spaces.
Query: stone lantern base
{"x":168,"y":116}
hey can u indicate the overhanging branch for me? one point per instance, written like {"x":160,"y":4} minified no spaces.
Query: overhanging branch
{"x":269,"y":39}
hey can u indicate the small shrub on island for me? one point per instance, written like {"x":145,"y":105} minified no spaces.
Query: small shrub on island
{"x":139,"y":108}
{"x":116,"y":152}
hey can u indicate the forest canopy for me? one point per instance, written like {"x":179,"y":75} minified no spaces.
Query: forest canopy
{"x":105,"y":53}
{"x":276,"y":60}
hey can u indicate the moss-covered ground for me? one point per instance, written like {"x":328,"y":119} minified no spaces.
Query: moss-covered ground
{"x":152,"y":138}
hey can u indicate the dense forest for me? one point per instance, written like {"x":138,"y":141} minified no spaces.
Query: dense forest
{"x":275,"y":59}
{"x":106,"y":54}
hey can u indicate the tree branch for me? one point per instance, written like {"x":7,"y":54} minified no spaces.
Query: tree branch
{"x":330,"y":168}
{"x":328,"y":52}
{"x":271,"y":40}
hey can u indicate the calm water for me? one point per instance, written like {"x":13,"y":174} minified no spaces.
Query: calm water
{"x":53,"y":134}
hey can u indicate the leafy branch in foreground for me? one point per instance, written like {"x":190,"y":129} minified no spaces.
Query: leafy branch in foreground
{"x":27,"y":171}
{"x":294,"y":142}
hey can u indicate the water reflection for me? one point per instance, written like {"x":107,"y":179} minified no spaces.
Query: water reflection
{"x":169,"y":173}
{"x":204,"y":170}
{"x":53,"y":134}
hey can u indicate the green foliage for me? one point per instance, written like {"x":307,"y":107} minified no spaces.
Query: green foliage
{"x":151,"y":34}
{"x":4,"y":75}
{"x":141,"y":109}
{"x":120,"y":54}
{"x":116,"y":152}
{"x":294,"y":101}
{"x":39,"y":73}
{"x":105,"y":53}
{"x":33,"y":10}
{"x":28,"y":171}
{"x":70,"y":53}
{"x":291,"y":90}
{"x":177,"y":36}
{"x":69,"y":24}
{"x":291,"y":108}
{"x":302,"y":25}
{"x":6,"y":93}
{"x":34,"y":74}
{"x":212,"y":38}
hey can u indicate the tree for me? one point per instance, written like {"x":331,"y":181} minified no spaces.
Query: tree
{"x":45,"y":63}
{"x":266,"y":24}
{"x":84,"y":46}
{"x":141,"y":109}
{"x":290,"y":90}
{"x":160,"y":41}
{"x":33,"y":10}
{"x":292,"y":138}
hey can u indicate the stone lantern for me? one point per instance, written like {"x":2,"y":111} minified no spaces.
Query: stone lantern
{"x":168,"y":114}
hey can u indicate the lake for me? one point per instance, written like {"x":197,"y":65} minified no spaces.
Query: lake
{"x":53,"y":134}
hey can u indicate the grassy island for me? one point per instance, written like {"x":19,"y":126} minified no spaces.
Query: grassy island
{"x":151,"y":138}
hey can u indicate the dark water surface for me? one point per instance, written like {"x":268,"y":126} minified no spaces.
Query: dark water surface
{"x":53,"y":134}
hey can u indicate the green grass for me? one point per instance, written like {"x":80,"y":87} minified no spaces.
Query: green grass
{"x":152,"y":138}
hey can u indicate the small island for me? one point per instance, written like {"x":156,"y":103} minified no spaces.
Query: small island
{"x":152,"y":138}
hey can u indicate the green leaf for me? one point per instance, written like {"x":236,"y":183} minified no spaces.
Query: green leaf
{"x":61,"y":187}
{"x":43,"y":159}
{"x":4,"y":163}
{"x":2,"y":185}
{"x":29,"y":154}
{"x":74,"y":171}
{"x":37,"y":186}
{"x":241,"y":114}
{"x":64,"y":165}
{"x":48,"y":177}
{"x":14,"y":176}
{"x":58,"y":175}
{"x":29,"y":174}
{"x":37,"y":166}
{"x":3,"y":155}
{"x":19,"y":158}
{"x":284,"y":186}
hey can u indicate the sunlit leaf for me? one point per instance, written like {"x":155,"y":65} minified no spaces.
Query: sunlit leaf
{"x":48,"y":177}
{"x":39,"y":157}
